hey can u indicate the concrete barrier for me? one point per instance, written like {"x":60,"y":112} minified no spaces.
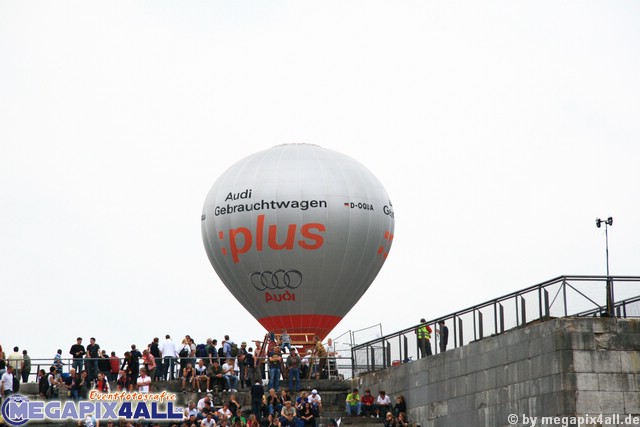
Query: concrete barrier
{"x":558,"y":368}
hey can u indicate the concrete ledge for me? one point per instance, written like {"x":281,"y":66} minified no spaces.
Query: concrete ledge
{"x":560,"y":367}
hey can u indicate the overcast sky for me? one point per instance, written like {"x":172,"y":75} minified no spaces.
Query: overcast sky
{"x":500,"y":130}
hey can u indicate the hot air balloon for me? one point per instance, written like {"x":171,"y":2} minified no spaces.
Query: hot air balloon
{"x":297,"y":233}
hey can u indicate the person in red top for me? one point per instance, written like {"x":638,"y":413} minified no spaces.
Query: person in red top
{"x":102,"y":385}
{"x":124,"y":382}
{"x":114,"y":362}
{"x":367,"y":401}
{"x":149,"y":363}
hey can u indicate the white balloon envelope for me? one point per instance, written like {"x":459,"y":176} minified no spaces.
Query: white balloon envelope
{"x":297,"y":233}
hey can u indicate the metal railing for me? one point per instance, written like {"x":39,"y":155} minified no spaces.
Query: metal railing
{"x":172,"y":370}
{"x":559,"y":297}
{"x":338,"y":366}
{"x":625,"y":308}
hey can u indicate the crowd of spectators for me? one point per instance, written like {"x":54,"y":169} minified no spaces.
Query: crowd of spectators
{"x":380,"y":406}
{"x":199,"y":366}
{"x":191,"y":362}
{"x":267,"y":409}
{"x":13,"y":368}
{"x":205,"y":368}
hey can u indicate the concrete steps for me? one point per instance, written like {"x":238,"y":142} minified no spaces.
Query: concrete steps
{"x":333,"y":393}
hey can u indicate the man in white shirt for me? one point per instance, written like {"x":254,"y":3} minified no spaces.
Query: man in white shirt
{"x":315,"y":400}
{"x":229,"y":373}
{"x":200,"y":404}
{"x":383,"y":404}
{"x":144,"y":381}
{"x":190,"y":411}
{"x":201,"y":375}
{"x":305,"y":366}
{"x":15,"y":359}
{"x":208,"y":422}
{"x":169,"y":355}
{"x":6,"y":382}
{"x":224,"y":412}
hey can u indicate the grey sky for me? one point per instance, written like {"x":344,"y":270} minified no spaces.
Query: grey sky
{"x":499,"y":129}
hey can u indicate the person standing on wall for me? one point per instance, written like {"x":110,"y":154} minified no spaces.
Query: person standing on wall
{"x":77,"y":351}
{"x":93,"y":354}
{"x":321,"y":353}
{"x":444,"y":336}
{"x":423,"y":331}
{"x":26,"y":366}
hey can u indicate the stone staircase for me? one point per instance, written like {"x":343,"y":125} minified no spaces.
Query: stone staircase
{"x":333,"y":393}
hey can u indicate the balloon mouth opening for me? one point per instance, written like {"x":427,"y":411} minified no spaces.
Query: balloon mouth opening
{"x":303,"y":324}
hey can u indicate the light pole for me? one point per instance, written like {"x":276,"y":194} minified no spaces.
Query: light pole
{"x":607,"y":223}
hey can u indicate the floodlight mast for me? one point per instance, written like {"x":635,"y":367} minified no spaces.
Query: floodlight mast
{"x":607,"y":223}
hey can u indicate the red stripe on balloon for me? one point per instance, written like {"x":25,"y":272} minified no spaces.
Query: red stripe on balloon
{"x":318,"y":324}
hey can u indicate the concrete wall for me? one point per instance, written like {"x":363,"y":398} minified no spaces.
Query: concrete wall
{"x":561,"y":367}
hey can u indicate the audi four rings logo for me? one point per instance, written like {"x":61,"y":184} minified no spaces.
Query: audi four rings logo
{"x":279,"y":279}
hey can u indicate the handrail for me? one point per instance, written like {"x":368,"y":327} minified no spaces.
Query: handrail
{"x":380,"y":353}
